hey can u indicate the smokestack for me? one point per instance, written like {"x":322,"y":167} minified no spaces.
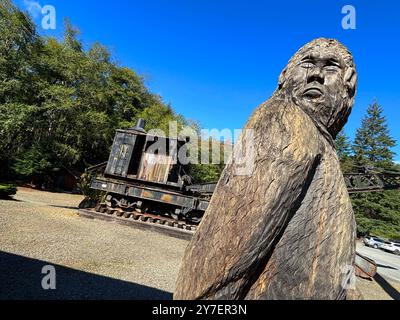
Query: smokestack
{"x":140,"y":125}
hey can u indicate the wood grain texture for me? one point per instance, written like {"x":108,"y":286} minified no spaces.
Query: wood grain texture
{"x":287,"y":231}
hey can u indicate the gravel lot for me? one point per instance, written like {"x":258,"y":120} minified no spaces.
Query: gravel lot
{"x":386,"y":284}
{"x":93,"y":259}
{"x":388,"y":263}
{"x":96,"y":259}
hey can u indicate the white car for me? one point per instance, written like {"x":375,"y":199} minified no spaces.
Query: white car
{"x":392,"y":247}
{"x":373,"y":242}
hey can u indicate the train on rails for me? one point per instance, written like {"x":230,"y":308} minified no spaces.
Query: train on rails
{"x":149,"y":183}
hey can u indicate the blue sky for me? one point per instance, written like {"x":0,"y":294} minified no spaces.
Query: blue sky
{"x":215,"y":61}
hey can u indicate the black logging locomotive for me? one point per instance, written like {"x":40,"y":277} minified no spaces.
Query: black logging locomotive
{"x":149,"y":183}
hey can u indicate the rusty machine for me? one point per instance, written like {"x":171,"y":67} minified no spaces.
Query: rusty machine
{"x":147,"y":184}
{"x":143,"y":180}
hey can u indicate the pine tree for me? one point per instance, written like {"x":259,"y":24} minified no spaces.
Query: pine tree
{"x":343,"y":150}
{"x":343,"y":145}
{"x":376,"y":213}
{"x":373,"y":143}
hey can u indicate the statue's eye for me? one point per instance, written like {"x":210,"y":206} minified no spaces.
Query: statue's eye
{"x":307,"y":65}
{"x":331,"y":68}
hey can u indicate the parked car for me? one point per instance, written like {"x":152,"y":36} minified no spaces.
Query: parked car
{"x":373,"y":242}
{"x":392,"y":247}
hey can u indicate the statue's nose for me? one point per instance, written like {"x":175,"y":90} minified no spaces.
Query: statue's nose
{"x":315,"y":75}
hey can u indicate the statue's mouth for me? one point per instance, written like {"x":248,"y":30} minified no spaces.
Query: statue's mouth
{"x":313,"y":92}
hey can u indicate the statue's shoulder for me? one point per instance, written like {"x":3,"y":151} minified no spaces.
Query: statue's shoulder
{"x":278,"y":123}
{"x":279,"y":111}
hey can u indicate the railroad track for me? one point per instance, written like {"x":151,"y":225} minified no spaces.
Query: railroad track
{"x":145,"y":221}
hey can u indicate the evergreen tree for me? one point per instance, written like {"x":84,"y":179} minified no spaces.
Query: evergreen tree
{"x":71,"y":36}
{"x":343,"y":145}
{"x":343,"y":150}
{"x":377,"y":213}
{"x":373,"y":143}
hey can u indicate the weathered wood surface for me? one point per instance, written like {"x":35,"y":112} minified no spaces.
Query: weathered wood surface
{"x":287,"y":231}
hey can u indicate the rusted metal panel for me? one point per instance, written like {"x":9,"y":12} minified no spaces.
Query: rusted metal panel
{"x":162,"y":196}
{"x":365,"y":267}
{"x":155,"y":167}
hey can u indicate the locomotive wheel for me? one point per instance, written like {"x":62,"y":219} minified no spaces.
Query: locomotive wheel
{"x":136,"y":216}
{"x":127,"y":214}
{"x":119,"y":212}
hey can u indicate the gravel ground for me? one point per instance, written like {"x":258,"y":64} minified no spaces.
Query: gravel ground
{"x":388,"y":263}
{"x":378,"y":289}
{"x":386,"y":283}
{"x":94,"y":259}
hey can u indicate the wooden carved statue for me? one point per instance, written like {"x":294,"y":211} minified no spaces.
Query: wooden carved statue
{"x":287,"y":230}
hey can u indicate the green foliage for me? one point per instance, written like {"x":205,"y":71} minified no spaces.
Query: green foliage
{"x":211,"y":171}
{"x":373,"y":142}
{"x":31,"y":163}
{"x":378,"y":213}
{"x":7,"y":190}
{"x":202,"y":173}
{"x":343,"y":149}
{"x":18,"y":43}
{"x":60,"y":104}
{"x":92,"y":197}
{"x":343,"y":145}
{"x":158,"y":116}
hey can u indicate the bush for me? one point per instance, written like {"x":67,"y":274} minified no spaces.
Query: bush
{"x":7,"y":190}
{"x":92,"y":197}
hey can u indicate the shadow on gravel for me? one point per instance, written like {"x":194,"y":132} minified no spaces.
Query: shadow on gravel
{"x":9,"y":198}
{"x":389,"y":289}
{"x":386,"y":267}
{"x":21,"y":277}
{"x":64,"y":207}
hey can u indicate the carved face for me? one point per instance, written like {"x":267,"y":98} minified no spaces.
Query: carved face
{"x":318,"y":83}
{"x":322,"y":82}
{"x":317,"y":77}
